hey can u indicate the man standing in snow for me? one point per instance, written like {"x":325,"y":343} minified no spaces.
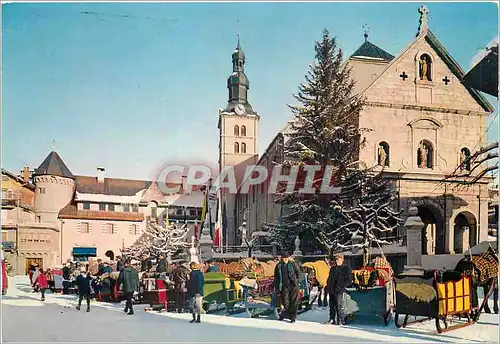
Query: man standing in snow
{"x":195,"y":286}
{"x":130,"y":280}
{"x":338,"y":280}
{"x":83,"y":285}
{"x":286,"y":279}
{"x":180,"y":276}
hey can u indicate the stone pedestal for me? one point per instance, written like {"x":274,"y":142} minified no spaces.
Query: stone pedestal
{"x":414,"y":226}
{"x":205,"y":244}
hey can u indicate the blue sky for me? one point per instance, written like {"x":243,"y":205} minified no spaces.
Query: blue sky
{"x":131,"y":87}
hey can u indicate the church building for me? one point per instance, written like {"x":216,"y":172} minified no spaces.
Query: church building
{"x":425,"y":122}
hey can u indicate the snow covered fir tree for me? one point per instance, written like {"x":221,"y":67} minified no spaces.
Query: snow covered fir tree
{"x":326,"y":132}
{"x":170,"y":241}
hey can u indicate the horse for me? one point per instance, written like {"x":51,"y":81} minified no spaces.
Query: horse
{"x":317,"y":276}
{"x":483,"y":271}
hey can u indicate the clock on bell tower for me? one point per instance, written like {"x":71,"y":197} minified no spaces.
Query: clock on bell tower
{"x":238,"y":134}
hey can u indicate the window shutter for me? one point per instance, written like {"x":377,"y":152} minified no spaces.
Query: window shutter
{"x":130,"y":229}
{"x":79,"y":227}
{"x":90,"y":227}
{"x":104,"y":228}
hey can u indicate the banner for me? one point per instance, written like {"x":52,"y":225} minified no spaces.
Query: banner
{"x":218,"y":226}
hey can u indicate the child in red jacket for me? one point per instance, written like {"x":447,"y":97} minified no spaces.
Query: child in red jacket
{"x":42,"y":282}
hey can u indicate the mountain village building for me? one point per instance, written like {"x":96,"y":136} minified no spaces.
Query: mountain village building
{"x":424,"y":122}
{"x":77,"y":217}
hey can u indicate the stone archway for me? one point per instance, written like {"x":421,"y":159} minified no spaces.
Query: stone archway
{"x":110,"y":254}
{"x":464,"y":231}
{"x":433,"y":234}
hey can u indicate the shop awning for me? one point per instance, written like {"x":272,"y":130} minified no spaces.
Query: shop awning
{"x":85,"y":251}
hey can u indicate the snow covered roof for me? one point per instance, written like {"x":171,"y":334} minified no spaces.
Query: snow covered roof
{"x":91,"y":197}
{"x":194,"y":199}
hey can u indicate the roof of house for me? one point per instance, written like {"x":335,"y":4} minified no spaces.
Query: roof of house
{"x":53,"y":165}
{"x":18,"y":179}
{"x":370,"y":50}
{"x":121,"y":187}
{"x":71,"y":212}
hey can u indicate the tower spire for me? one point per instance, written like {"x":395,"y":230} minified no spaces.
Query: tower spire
{"x":54,"y":145}
{"x":366,"y":29}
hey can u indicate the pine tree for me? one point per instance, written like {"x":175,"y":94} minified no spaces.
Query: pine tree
{"x":326,"y":132}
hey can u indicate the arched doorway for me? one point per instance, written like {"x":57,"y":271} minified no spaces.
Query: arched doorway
{"x":433,"y":231}
{"x":110,"y":255}
{"x":464,"y":232}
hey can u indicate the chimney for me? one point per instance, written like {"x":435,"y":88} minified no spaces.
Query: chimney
{"x":26,"y":174}
{"x":100,"y":174}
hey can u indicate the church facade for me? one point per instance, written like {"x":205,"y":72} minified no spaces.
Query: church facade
{"x":424,"y":123}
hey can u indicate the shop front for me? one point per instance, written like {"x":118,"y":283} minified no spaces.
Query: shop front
{"x":82,"y":254}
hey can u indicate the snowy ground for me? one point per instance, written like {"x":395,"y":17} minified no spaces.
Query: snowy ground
{"x":26,"y":319}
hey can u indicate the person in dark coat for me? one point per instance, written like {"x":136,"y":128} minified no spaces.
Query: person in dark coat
{"x":161,"y":266}
{"x":339,"y":279}
{"x":120,"y":265}
{"x":129,"y":278}
{"x":66,"y":275}
{"x":146,"y":264}
{"x":100,"y":267}
{"x":107,"y":269}
{"x":287,"y":285}
{"x":83,"y":284}
{"x":195,"y":286}
{"x":180,"y":276}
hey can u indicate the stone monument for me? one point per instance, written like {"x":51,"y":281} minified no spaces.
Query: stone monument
{"x":193,"y":252}
{"x":413,"y":226}
{"x":205,"y":243}
{"x":297,"y":254}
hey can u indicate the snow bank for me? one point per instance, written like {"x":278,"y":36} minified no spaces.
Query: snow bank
{"x":25,"y":318}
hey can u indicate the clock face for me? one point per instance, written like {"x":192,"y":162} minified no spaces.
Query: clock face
{"x":239,"y":109}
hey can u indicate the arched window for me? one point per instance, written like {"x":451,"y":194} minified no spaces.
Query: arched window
{"x":236,"y":147}
{"x":425,"y":68}
{"x":243,"y":147}
{"x":236,"y":130}
{"x":383,"y":157}
{"x":465,"y":159}
{"x":243,"y":130}
{"x":425,"y":154}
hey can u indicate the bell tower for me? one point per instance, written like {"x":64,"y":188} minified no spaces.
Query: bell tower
{"x":238,"y":135}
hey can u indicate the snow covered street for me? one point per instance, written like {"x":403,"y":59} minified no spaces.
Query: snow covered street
{"x":26,"y":319}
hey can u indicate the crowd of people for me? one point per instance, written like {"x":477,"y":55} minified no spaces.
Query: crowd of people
{"x":188,"y":282}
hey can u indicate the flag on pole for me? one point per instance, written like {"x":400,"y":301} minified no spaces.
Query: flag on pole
{"x":204,"y":207}
{"x":218,"y":226}
{"x":223,"y":232}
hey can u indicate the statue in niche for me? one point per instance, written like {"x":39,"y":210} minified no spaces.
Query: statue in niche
{"x":425,"y":68}
{"x":422,"y":154}
{"x":462,"y":160}
{"x":382,"y":155}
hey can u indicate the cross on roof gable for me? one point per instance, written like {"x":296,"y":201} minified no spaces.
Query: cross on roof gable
{"x":447,"y":59}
